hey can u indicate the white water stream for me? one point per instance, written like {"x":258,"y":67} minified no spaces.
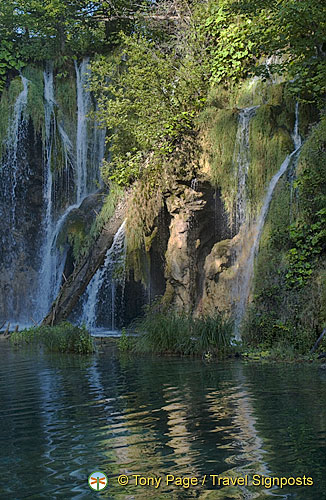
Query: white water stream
{"x":245,"y":285}
{"x":105,"y":277}
{"x":83,"y":107}
{"x":10,"y":167}
{"x":241,"y":158}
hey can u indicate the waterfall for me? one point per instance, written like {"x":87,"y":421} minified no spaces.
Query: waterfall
{"x":52,"y":259}
{"x":83,"y":163}
{"x":249,"y":268}
{"x":83,"y":107}
{"x":14,"y":174}
{"x":49,"y":119}
{"x":11,"y":171}
{"x":47,"y":263}
{"x":241,"y":158}
{"x":105,"y":282}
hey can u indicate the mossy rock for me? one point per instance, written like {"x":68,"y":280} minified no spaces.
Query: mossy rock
{"x":7,"y":102}
{"x":35,"y":100}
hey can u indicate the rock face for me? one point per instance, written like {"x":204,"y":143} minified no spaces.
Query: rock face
{"x":198,"y":220}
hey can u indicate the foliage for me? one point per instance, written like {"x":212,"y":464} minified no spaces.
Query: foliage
{"x":147,"y":98}
{"x":54,"y":29}
{"x":228,"y":38}
{"x":165,"y":331}
{"x":240,"y":36}
{"x":308,"y":233}
{"x":9,"y":61}
{"x":64,"y":337}
{"x":309,"y":241}
{"x":125,"y":342}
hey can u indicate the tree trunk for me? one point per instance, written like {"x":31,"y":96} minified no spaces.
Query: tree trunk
{"x":77,"y":282}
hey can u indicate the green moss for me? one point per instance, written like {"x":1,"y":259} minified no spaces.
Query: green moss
{"x":115,"y":195}
{"x":7,"y":103}
{"x":220,"y":127}
{"x":256,"y":92}
{"x":322,"y":286}
{"x":76,"y":237}
{"x":66,"y":93}
{"x":275,"y":94}
{"x":270,"y":143}
{"x":312,"y":171}
{"x":143,"y":208}
{"x":35,"y":100}
{"x":81,"y":239}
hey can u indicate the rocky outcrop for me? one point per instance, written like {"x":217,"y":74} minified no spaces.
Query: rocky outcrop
{"x":198,"y":220}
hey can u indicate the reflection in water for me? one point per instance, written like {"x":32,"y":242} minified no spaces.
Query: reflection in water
{"x":63,"y":417}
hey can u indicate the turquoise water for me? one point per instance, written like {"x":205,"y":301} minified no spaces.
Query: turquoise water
{"x":63,"y":417}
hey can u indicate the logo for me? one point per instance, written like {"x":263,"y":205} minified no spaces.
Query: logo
{"x":97,"y":481}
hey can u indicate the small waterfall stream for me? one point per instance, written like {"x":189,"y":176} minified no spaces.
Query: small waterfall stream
{"x":83,"y":107}
{"x":11,"y":171}
{"x":245,"y":284}
{"x":241,"y":158}
{"x":47,"y":262}
{"x":105,"y":282}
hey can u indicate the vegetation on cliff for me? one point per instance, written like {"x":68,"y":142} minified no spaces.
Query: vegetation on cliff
{"x":291,"y":262}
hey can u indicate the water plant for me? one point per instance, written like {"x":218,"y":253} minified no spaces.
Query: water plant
{"x":64,"y":337}
{"x":125,"y":342}
{"x":166,"y":331}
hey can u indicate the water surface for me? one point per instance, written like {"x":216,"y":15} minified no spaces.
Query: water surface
{"x":63,"y":417}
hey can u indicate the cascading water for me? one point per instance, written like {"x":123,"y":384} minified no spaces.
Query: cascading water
{"x":14,"y":175}
{"x":47,"y":262}
{"x":104,"y":285}
{"x":249,"y":268}
{"x":85,"y":165}
{"x":83,"y":107}
{"x":241,"y":158}
{"x":11,"y":171}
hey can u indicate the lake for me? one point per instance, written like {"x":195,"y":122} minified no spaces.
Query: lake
{"x":171,"y":419}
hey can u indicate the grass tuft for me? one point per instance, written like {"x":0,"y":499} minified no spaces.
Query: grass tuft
{"x":64,"y":337}
{"x":168,"y":332}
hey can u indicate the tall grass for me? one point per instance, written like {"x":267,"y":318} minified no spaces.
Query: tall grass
{"x":64,"y":337}
{"x":169,"y":332}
